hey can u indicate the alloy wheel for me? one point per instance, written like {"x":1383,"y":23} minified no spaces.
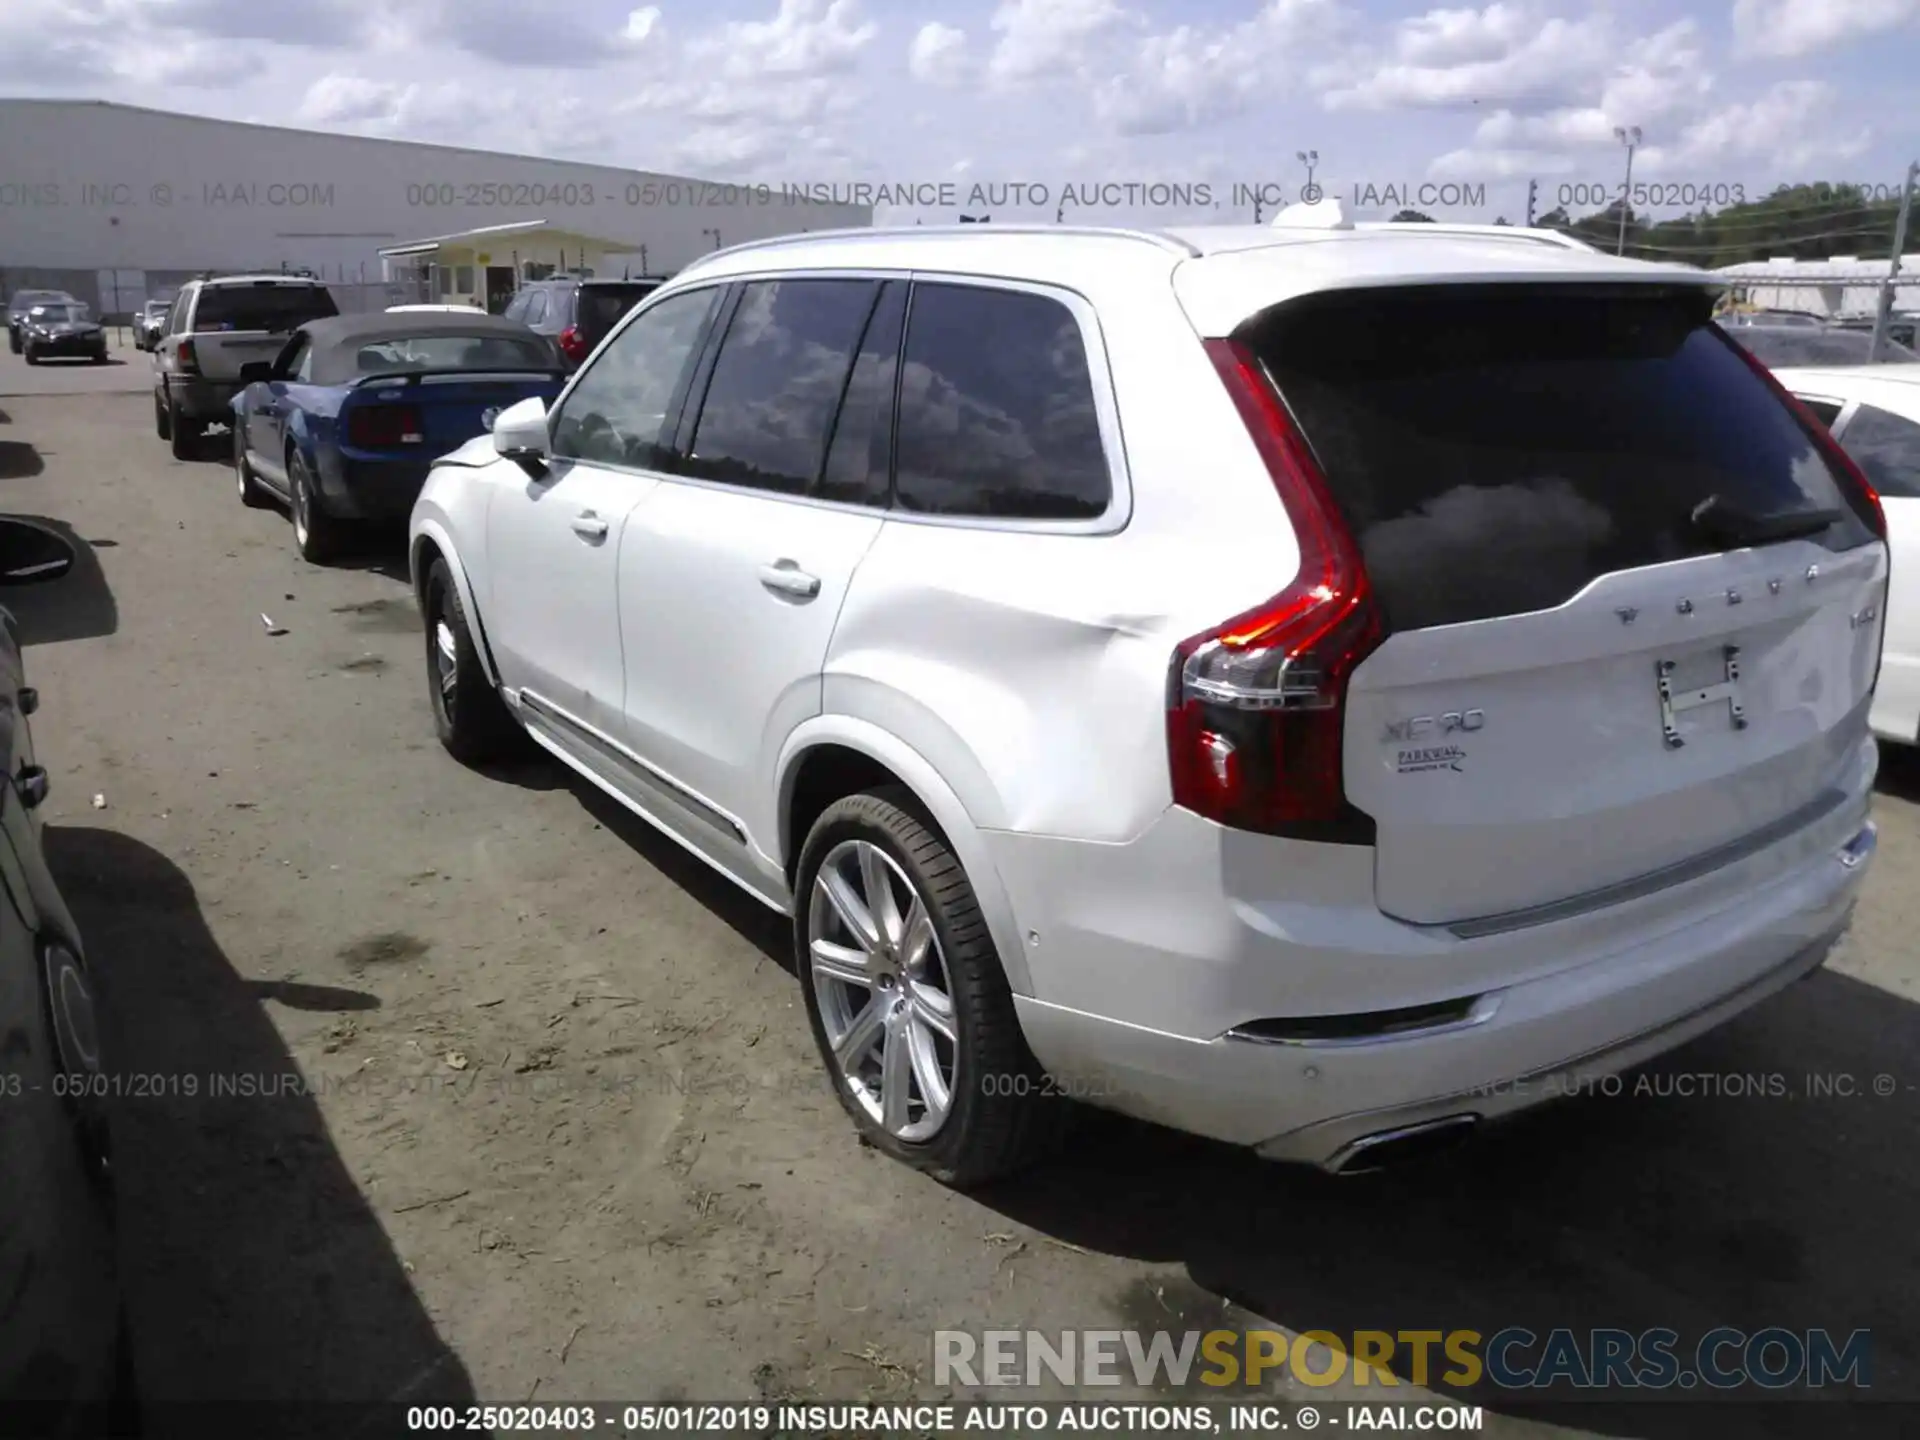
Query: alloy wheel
{"x":446,"y":666}
{"x":297,"y":478}
{"x":885,"y":998}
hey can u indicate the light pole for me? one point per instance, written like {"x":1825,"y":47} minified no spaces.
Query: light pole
{"x":1629,"y":137}
{"x":1309,"y":192}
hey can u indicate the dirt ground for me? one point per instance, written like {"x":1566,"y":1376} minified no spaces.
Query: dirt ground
{"x":516,"y":1100}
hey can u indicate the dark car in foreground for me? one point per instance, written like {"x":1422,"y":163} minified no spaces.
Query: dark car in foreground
{"x":64,"y":1363}
{"x":23,"y":301}
{"x":62,"y":330}
{"x":342,"y":425}
{"x":1778,"y":345}
{"x":577,"y":312}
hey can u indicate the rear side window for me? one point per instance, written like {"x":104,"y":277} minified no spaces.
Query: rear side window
{"x":997,"y":417}
{"x":273,"y":308}
{"x":536,"y":308}
{"x":600,"y":307}
{"x":777,"y":383}
{"x":517,"y":307}
{"x":1887,"y":447}
{"x":1495,"y":449}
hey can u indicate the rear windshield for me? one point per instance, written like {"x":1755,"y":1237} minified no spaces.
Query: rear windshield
{"x":455,"y":352}
{"x":1497,"y":450}
{"x":276,"y":309}
{"x":602,"y":306}
{"x":1807,"y":345}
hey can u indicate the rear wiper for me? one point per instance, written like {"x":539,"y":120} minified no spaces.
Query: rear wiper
{"x":1728,"y":524}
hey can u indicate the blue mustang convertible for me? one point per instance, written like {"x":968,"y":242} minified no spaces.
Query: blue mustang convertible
{"x":342,"y":425}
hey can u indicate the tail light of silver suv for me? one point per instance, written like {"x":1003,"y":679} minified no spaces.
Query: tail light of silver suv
{"x":1257,"y":705}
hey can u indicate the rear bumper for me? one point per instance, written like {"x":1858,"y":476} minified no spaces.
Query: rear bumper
{"x":1583,"y":998}
{"x":198,"y":398}
{"x":379,"y":491}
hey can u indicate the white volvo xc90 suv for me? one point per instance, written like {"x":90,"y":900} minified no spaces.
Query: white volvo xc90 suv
{"x":1316,"y":686}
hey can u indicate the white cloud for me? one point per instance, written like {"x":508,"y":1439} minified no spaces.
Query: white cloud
{"x":806,"y":37}
{"x":1048,"y":39}
{"x":1502,"y":54}
{"x":388,"y":108}
{"x":938,"y":54}
{"x":1781,"y":128}
{"x":1787,"y":28}
{"x":1190,"y":76}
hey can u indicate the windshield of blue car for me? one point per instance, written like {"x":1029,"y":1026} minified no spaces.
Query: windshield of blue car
{"x":455,"y":352}
{"x":57,"y":314}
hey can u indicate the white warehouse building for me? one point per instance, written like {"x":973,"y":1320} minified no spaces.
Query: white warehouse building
{"x":117,"y":204}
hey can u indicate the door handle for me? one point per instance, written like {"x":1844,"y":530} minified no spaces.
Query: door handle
{"x":786,"y":578}
{"x":589,"y":526}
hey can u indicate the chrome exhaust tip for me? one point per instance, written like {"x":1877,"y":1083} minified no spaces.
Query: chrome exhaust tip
{"x":1388,"y":1148}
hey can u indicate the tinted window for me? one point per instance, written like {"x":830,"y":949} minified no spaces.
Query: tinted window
{"x":777,"y":383}
{"x":996,"y":409}
{"x":600,"y":307}
{"x":1887,"y":447}
{"x":1495,"y":451}
{"x":860,"y":452}
{"x":1825,"y":410}
{"x":619,"y":410}
{"x":269,"y":307}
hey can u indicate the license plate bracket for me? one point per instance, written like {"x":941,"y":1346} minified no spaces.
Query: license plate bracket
{"x":1677,"y":697}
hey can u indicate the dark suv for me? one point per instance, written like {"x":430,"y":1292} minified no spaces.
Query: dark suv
{"x":576,"y":313}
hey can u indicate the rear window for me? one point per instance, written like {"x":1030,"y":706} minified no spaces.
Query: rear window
{"x":276,"y":309}
{"x":455,"y":352}
{"x":601,"y":307}
{"x":1495,"y":450}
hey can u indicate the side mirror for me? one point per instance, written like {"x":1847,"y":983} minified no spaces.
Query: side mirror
{"x":520,"y":432}
{"x":32,"y":554}
{"x":255,"y":371}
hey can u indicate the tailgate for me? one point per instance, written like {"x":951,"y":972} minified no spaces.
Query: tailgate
{"x":1633,"y":607}
{"x":221,"y":354}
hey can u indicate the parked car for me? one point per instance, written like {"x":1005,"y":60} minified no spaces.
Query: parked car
{"x":147,"y":323}
{"x":342,"y":423}
{"x":576,"y":313}
{"x":1368,"y":746}
{"x":62,"y":330}
{"x":1799,"y":318}
{"x":21,"y":303}
{"x":214,"y":327}
{"x":1901,"y":329}
{"x":1778,"y":345}
{"x":64,"y":1364}
{"x":1875,"y":415}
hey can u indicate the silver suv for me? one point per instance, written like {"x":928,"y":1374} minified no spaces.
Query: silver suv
{"x":1318,"y":686}
{"x":216,"y":326}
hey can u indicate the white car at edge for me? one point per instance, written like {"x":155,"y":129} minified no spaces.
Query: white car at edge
{"x":1317,"y":686}
{"x":1874,"y":411}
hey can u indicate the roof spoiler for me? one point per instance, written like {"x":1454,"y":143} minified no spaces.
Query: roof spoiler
{"x":414,"y":377}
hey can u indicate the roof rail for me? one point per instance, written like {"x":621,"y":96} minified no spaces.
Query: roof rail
{"x":1169,"y":243}
{"x":1539,"y":235}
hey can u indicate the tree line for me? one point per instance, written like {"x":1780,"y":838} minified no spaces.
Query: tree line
{"x":1805,"y":222}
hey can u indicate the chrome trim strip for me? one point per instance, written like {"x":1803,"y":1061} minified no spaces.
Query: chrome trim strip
{"x":1482,"y":1010}
{"x":1655,"y":881}
{"x":613,"y":752}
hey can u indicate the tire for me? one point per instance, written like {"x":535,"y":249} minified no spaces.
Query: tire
{"x":251,"y":495}
{"x":184,"y":433}
{"x":13,"y":341}
{"x":100,"y":358}
{"x":1000,"y":1116}
{"x":162,"y":418}
{"x":469,"y":716}
{"x":318,"y":536}
{"x":32,"y":359}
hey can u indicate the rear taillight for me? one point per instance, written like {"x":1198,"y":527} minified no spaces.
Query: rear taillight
{"x":1866,"y":500}
{"x":1257,"y":706}
{"x":186,"y":358}
{"x":573,"y":344}
{"x":382,"y":427}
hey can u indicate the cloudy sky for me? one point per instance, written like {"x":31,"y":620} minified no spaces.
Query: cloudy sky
{"x":1392,"y":97}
